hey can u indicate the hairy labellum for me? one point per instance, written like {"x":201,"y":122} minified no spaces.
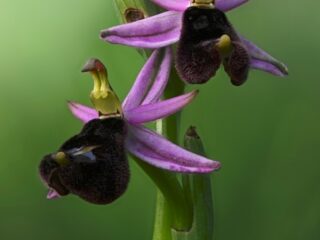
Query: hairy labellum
{"x":93,"y":165}
{"x":198,"y":57}
{"x":197,"y":63}
{"x":237,"y":64}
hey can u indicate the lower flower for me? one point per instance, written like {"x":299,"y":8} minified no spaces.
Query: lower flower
{"x":93,"y":164}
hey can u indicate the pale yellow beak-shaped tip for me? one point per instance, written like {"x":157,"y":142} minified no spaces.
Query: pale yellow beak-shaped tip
{"x":102,"y":96}
{"x":93,"y":64}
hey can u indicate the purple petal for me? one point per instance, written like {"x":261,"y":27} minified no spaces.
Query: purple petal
{"x":161,"y":80}
{"x":227,"y":5}
{"x":174,"y":5}
{"x":158,"y":151}
{"x":52,"y":194}
{"x":162,"y":109}
{"x":82,"y":112}
{"x":153,"y":32}
{"x":181,"y":5}
{"x":149,"y":156}
{"x":140,"y":86}
{"x":261,"y":56}
{"x":267,"y":67}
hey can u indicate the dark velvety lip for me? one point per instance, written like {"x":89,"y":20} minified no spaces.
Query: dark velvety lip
{"x":56,"y":184}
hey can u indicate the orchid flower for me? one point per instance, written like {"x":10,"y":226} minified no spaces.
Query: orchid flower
{"x":93,"y":164}
{"x":197,"y":63}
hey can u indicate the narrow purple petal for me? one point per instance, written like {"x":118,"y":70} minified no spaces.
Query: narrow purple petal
{"x":160,"y":152}
{"x":142,"y":83}
{"x":266,"y":66}
{"x":147,"y":42}
{"x":174,"y":5}
{"x":227,"y":5}
{"x":146,"y":154}
{"x":82,"y":112}
{"x":161,"y":80}
{"x":153,"y":32}
{"x":261,"y":56}
{"x":162,"y":109}
{"x":52,"y":194}
{"x":148,"y":26}
{"x":181,"y":5}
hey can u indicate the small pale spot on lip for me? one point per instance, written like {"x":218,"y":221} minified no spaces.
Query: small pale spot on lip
{"x":84,"y":151}
{"x":90,"y":155}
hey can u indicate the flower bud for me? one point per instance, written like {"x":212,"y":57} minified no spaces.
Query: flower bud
{"x":202,"y":227}
{"x":134,"y":10}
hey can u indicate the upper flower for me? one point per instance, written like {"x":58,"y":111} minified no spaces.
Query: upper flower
{"x":197,"y":62}
{"x":93,"y":163}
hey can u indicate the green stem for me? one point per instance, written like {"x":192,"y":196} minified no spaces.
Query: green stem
{"x":163,"y":219}
{"x":174,"y":88}
{"x":174,"y":211}
{"x":174,"y":202}
{"x":171,"y":189}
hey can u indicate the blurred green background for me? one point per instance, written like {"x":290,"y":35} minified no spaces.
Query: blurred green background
{"x":266,"y":133}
